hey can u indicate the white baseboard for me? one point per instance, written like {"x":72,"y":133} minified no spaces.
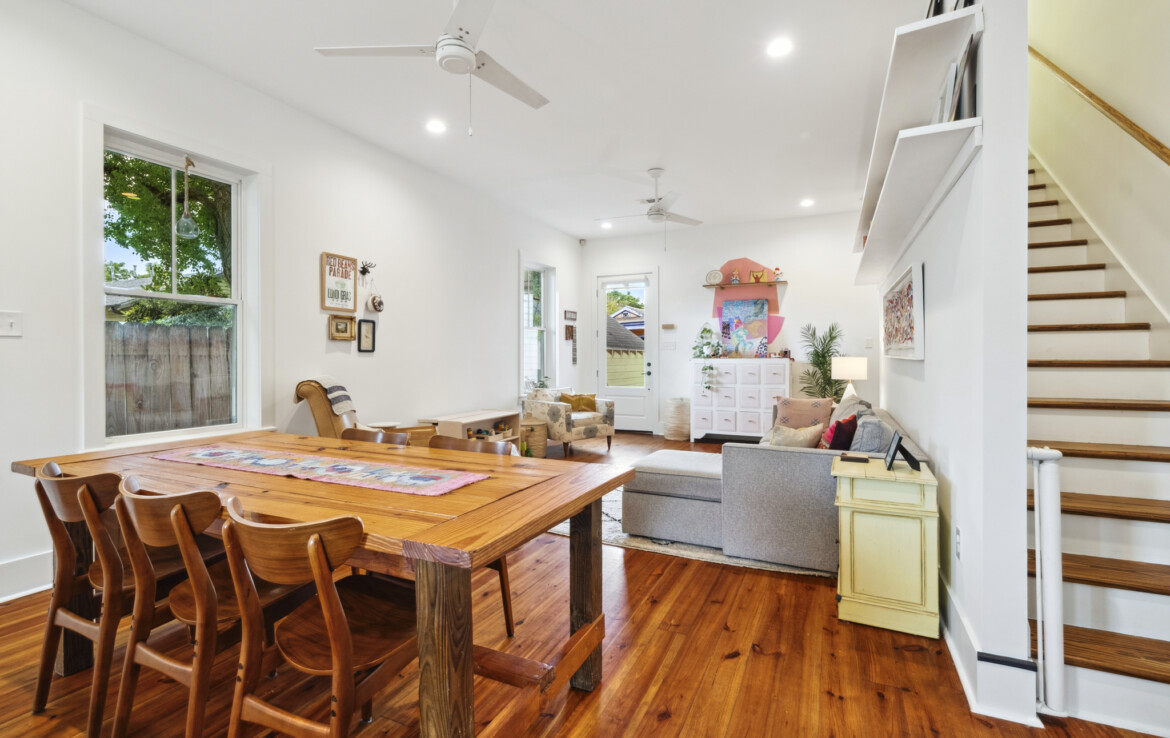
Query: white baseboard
{"x":1121,"y":701}
{"x":19,"y":577}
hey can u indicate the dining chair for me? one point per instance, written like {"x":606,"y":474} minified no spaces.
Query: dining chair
{"x":500,"y":448}
{"x":359,"y":630}
{"x":204,"y":601}
{"x":66,"y":500}
{"x":376,"y":436}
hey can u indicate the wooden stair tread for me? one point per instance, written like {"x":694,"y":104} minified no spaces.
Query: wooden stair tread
{"x":1098,"y":364}
{"x":1065,"y":268}
{"x":1037,"y":186}
{"x":1118,"y":451}
{"x":1050,"y":222}
{"x":1074,"y":403}
{"x":1059,"y":244}
{"x":1043,"y":203}
{"x":1031,"y":171}
{"x":1076,"y":295}
{"x":1136,"y":576}
{"x":1117,"y":653}
{"x":1058,"y":327}
{"x":1109,"y":506}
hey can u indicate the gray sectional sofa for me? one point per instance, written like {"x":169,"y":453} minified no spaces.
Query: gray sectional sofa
{"x":763,"y":502}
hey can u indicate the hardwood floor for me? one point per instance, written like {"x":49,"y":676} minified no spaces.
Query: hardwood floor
{"x":691,"y":649}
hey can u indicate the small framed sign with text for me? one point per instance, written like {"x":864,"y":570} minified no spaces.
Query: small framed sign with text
{"x":338,"y":282}
{"x":570,"y":315}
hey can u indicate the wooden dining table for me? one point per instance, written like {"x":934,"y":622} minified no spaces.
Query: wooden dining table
{"x":438,"y":540}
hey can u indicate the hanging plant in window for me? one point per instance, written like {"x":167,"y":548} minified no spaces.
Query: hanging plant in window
{"x":186,"y":227}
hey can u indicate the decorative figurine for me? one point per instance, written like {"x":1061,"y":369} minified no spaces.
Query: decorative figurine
{"x":735,"y":276}
{"x":757,"y":276}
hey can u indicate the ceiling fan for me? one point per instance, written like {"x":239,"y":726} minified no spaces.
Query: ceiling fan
{"x":455,"y":52}
{"x":659,"y":211}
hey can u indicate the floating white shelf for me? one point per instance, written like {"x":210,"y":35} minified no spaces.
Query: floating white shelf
{"x":924,"y":166}
{"x":919,"y":61}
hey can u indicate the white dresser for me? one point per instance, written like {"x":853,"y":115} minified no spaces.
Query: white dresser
{"x":741,"y":397}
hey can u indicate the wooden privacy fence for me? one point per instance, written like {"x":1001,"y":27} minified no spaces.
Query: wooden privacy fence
{"x":161,"y":377}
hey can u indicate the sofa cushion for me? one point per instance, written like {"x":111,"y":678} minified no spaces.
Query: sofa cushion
{"x":793,"y":437}
{"x":587,"y":418}
{"x":846,"y":429}
{"x":873,"y":435}
{"x":851,"y":405}
{"x":690,"y":474}
{"x":793,"y":412}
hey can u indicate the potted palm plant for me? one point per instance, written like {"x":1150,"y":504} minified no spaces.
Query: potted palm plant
{"x":821,"y":348}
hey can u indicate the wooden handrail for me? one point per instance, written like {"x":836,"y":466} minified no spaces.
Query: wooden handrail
{"x":1144,"y":137}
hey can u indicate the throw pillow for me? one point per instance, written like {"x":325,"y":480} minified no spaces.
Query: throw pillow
{"x":792,"y":412}
{"x":873,"y":435}
{"x":846,"y":429}
{"x":796,"y":437}
{"x":852,"y":405}
{"x":581,"y":403}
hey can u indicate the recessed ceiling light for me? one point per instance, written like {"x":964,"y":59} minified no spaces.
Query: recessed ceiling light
{"x":436,"y":126}
{"x":606,"y":225}
{"x":807,"y":202}
{"x":779,"y":47}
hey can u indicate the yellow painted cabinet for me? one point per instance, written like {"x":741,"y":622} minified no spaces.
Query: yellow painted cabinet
{"x":889,"y":546}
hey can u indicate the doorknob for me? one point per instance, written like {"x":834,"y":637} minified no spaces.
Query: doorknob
{"x":649,"y":373}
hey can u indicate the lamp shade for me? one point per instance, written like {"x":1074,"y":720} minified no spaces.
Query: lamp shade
{"x":850,"y":367}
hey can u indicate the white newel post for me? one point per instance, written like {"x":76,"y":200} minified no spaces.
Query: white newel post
{"x":1049,"y":579}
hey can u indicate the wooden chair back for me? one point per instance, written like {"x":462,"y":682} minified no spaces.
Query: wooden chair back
{"x":65,"y":499}
{"x":500,"y":448}
{"x":158,"y":519}
{"x":62,"y":491}
{"x":280,"y":553}
{"x":328,"y":424}
{"x":376,"y":436}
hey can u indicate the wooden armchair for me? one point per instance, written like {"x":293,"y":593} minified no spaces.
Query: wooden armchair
{"x":331,"y":426}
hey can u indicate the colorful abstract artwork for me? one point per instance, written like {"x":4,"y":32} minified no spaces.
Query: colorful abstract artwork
{"x":745,"y":328}
{"x":902,"y":317}
{"x":388,"y":477}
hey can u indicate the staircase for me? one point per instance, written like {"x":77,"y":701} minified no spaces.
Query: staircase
{"x":1096,"y":395}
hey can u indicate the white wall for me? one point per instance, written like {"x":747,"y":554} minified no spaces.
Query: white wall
{"x":814,"y":252}
{"x":1119,"y":186}
{"x":448,"y":258}
{"x":966,"y":404}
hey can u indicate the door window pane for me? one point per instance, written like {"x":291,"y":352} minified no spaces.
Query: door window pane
{"x":625,"y":323}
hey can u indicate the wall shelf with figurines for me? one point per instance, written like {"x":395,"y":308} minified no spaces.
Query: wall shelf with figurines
{"x":745,"y":284}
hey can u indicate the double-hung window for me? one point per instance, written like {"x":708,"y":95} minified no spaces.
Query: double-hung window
{"x":171,"y":303}
{"x":536,"y":342}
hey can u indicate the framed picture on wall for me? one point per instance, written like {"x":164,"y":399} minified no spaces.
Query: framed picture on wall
{"x":365,"y":335}
{"x":338,"y":282}
{"x":903,"y":310}
{"x":341,"y":327}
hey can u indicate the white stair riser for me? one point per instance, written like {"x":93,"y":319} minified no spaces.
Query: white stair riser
{"x":1087,"y":281}
{"x":1039,"y":234}
{"x":1099,"y":426}
{"x":1113,"y":699}
{"x":1089,"y":345}
{"x":1046,"y":212}
{"x":1037,"y":195}
{"x":1096,"y":310}
{"x":1118,"y":384}
{"x":1129,"y":540}
{"x":1116,"y":610}
{"x":1058,"y":256}
{"x":1149,"y":479}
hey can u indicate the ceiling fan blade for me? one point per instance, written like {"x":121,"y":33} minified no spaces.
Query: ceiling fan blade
{"x":619,"y":217}
{"x":468,"y":20}
{"x":668,"y":199}
{"x":428,"y":50}
{"x":676,"y":218}
{"x":490,"y":71}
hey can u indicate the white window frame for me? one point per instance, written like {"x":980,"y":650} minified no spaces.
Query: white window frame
{"x":101,"y":131}
{"x":548,"y":320}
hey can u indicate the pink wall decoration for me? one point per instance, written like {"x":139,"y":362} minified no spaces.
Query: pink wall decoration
{"x":767,"y":292}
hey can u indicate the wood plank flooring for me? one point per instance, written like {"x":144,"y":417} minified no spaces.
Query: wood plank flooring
{"x":691,"y":649}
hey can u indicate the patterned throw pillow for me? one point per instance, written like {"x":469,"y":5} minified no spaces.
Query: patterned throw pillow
{"x":792,"y":412}
{"x":795,"y":437}
{"x":581,"y":403}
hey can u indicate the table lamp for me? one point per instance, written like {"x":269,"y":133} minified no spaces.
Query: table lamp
{"x":850,"y":368}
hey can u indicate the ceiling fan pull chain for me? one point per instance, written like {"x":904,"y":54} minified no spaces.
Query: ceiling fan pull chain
{"x":470,"y":132}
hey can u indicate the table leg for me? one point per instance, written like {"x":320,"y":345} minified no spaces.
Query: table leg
{"x":76,"y":651}
{"x":585,"y":586}
{"x":443,"y":596}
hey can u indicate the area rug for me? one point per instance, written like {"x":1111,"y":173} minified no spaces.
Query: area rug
{"x":386,"y":477}
{"x":611,"y":533}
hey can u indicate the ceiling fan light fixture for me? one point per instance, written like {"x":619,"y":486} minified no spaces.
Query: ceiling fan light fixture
{"x":656,"y":216}
{"x":779,"y":47}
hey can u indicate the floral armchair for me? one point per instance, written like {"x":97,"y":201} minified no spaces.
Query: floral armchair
{"x":567,"y":426}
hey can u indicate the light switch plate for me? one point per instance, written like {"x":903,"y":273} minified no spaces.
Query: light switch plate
{"x":11,"y":323}
{"x":869,"y":343}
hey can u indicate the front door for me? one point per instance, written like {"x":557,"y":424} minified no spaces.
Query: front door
{"x":627,"y":341}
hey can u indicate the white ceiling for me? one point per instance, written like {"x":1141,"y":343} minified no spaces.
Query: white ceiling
{"x":681,"y":84}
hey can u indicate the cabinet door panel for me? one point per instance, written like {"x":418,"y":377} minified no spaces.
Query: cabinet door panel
{"x":702,"y":419}
{"x":749,"y":373}
{"x":886,"y":554}
{"x":776,"y":373}
{"x":724,"y":421}
{"x":702,"y":397}
{"x":749,"y":396}
{"x":748,"y":422}
{"x":725,"y":396}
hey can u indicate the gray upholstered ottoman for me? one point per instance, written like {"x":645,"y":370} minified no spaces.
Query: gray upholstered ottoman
{"x":676,"y":496}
